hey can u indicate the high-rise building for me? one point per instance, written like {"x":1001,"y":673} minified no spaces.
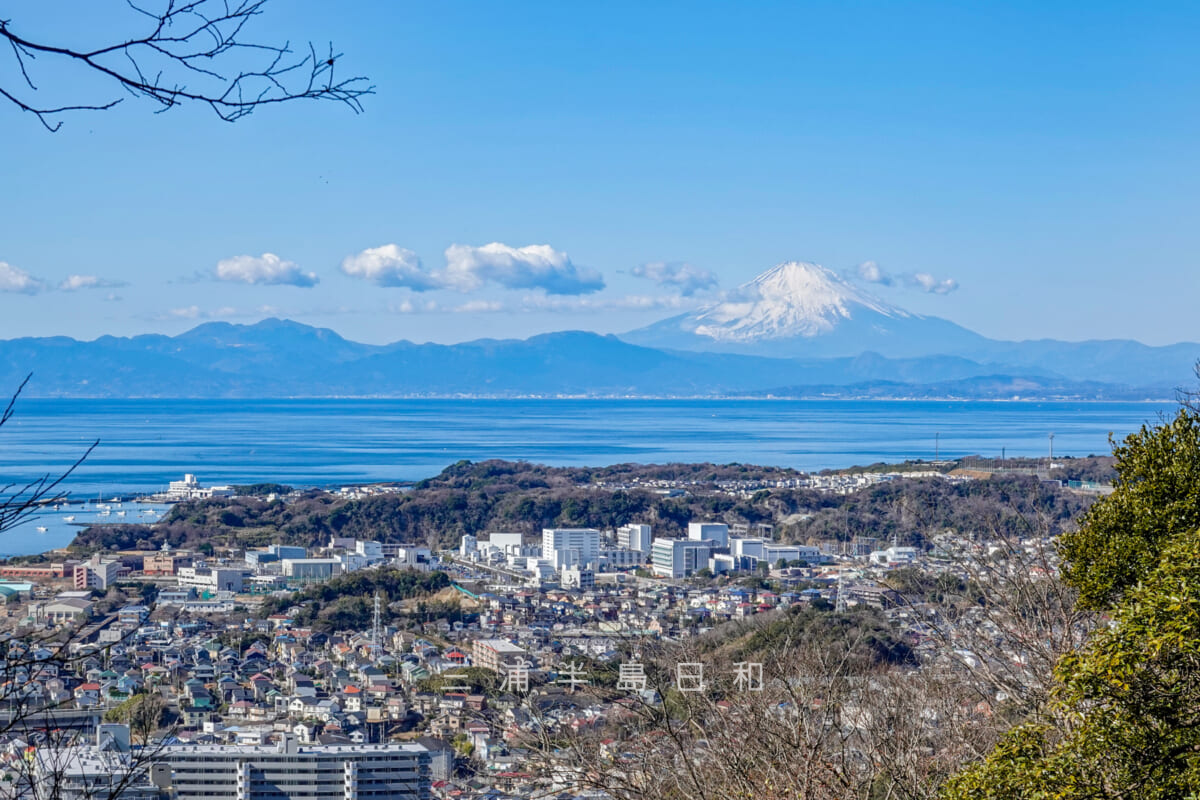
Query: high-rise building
{"x":634,"y":537}
{"x":679,"y":558}
{"x":571,"y":547}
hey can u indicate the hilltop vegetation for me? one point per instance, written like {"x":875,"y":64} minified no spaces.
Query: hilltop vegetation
{"x":346,"y":602}
{"x":477,"y":498}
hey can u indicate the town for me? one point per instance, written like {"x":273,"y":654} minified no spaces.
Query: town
{"x":363,"y":667}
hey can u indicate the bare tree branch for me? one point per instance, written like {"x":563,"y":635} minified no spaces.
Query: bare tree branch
{"x":191,"y":51}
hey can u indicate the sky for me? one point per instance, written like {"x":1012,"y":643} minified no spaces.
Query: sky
{"x":1027,"y":170}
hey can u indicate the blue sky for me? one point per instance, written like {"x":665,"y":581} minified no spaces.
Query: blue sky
{"x":601,"y":166}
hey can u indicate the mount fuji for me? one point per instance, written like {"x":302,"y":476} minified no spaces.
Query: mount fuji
{"x":802,"y":310}
{"x":798,"y":310}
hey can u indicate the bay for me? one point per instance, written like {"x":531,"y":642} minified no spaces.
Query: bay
{"x":146,"y":443}
{"x":143,"y":444}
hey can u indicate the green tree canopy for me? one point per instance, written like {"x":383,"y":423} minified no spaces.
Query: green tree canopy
{"x":1156,"y":498}
{"x":1124,"y":718}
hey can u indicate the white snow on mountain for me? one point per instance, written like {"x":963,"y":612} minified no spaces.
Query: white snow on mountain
{"x":793,"y":299}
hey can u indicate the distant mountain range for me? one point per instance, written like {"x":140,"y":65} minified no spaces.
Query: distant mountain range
{"x":797,"y":330}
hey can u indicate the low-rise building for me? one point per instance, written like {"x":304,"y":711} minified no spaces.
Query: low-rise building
{"x":498,"y":654}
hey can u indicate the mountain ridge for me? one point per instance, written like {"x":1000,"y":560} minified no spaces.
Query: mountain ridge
{"x":273,"y":359}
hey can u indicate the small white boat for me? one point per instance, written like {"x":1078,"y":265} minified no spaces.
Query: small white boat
{"x":105,"y":513}
{"x":69,"y":519}
{"x":42,"y":529}
{"x":120,"y":513}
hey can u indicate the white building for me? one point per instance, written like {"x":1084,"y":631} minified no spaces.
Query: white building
{"x":793,"y":552}
{"x":311,"y":569}
{"x":716,"y":532}
{"x":894,"y":556}
{"x":291,"y":771}
{"x":371,"y":551}
{"x":211,"y":579}
{"x":571,"y":547}
{"x":679,"y":558}
{"x":419,"y":558}
{"x":621,"y":559}
{"x":190,"y":489}
{"x":578,"y":578}
{"x":634,"y":537}
{"x":752,"y":548}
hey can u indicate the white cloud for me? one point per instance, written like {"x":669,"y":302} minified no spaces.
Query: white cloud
{"x":479,"y":307}
{"x":223,"y":312}
{"x":687,"y":278}
{"x":535,"y":266}
{"x":265,"y":270}
{"x":390,"y":265}
{"x":927,"y":283}
{"x":73,"y":283}
{"x":629,"y":302}
{"x":409,"y":307}
{"x":16,"y":280}
{"x":870,"y":272}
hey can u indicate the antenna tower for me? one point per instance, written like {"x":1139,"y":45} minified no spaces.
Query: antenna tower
{"x":841,"y":596}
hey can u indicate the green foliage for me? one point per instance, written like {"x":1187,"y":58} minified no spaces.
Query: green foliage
{"x":143,"y":713}
{"x":346,"y":602}
{"x":496,"y":495}
{"x":477,"y":679}
{"x":1124,"y":720}
{"x":1156,"y":497}
{"x":1127,"y":707}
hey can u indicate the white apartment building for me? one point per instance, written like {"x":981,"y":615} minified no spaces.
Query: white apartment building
{"x":571,"y":547}
{"x":634,"y":537}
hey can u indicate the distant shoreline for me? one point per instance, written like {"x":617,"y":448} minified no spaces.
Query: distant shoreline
{"x":630,"y":398}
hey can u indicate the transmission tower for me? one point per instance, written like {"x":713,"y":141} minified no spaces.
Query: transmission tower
{"x":376,"y":632}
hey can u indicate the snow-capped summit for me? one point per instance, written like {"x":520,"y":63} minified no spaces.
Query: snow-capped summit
{"x":792,"y":299}
{"x":801,"y":309}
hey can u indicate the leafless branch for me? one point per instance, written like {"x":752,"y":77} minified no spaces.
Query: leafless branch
{"x":20,"y":501}
{"x":190,"y":51}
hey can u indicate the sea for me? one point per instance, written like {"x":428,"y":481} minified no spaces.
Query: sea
{"x":143,"y":444}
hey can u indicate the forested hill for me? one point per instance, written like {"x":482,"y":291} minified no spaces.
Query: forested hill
{"x":503,"y":496}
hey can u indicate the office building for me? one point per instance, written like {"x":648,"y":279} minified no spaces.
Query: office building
{"x":715,"y":532}
{"x":679,"y":558}
{"x":571,"y":547}
{"x":634,"y":537}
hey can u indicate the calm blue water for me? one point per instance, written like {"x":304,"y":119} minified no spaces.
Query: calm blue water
{"x":146,"y":443}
